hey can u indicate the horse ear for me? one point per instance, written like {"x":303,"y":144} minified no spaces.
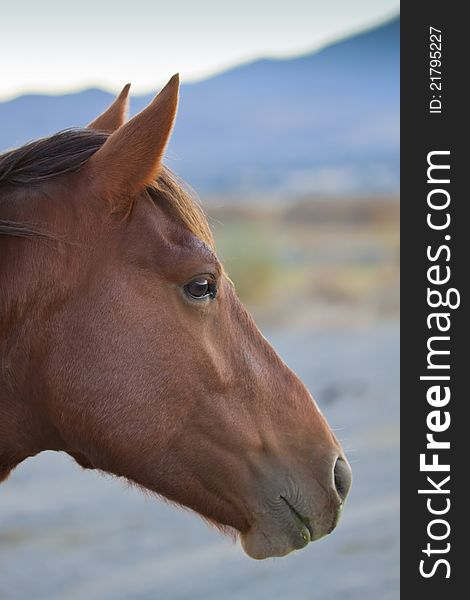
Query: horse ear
{"x":132,"y":156}
{"x":115,"y":115}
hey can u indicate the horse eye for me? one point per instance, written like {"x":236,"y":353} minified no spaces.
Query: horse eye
{"x":200,"y":288}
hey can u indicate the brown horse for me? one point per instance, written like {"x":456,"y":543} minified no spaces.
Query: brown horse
{"x":123,"y":342}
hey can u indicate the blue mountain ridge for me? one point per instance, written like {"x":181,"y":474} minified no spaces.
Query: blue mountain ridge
{"x":322,"y":123}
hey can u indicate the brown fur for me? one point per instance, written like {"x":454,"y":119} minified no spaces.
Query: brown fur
{"x":105,"y":356}
{"x":115,"y":115}
{"x":67,"y":152}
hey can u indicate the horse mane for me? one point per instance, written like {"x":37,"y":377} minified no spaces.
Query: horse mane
{"x":67,"y":152}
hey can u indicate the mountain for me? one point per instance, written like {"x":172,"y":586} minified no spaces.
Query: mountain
{"x":325,"y":123}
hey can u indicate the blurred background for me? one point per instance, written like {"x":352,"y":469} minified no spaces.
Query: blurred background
{"x":288,"y":129}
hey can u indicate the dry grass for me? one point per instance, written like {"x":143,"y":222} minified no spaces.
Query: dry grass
{"x":313,"y":263}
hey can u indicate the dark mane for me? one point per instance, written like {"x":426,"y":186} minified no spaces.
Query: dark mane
{"x":63,"y":152}
{"x":66,"y":152}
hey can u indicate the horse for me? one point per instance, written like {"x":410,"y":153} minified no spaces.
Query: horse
{"x":123,"y":342}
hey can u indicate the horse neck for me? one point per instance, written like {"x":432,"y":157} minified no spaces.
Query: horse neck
{"x":24,"y":430}
{"x":33,"y":284}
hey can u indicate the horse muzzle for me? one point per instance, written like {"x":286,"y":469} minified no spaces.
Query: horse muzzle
{"x":297,"y":515}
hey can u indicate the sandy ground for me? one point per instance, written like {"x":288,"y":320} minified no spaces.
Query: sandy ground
{"x":70,"y":534}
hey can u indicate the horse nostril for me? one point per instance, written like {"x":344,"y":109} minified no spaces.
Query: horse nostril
{"x":343,"y":478}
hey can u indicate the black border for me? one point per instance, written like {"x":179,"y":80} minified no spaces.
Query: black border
{"x":422,"y":132}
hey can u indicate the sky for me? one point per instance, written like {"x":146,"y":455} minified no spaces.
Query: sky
{"x":55,"y":46}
